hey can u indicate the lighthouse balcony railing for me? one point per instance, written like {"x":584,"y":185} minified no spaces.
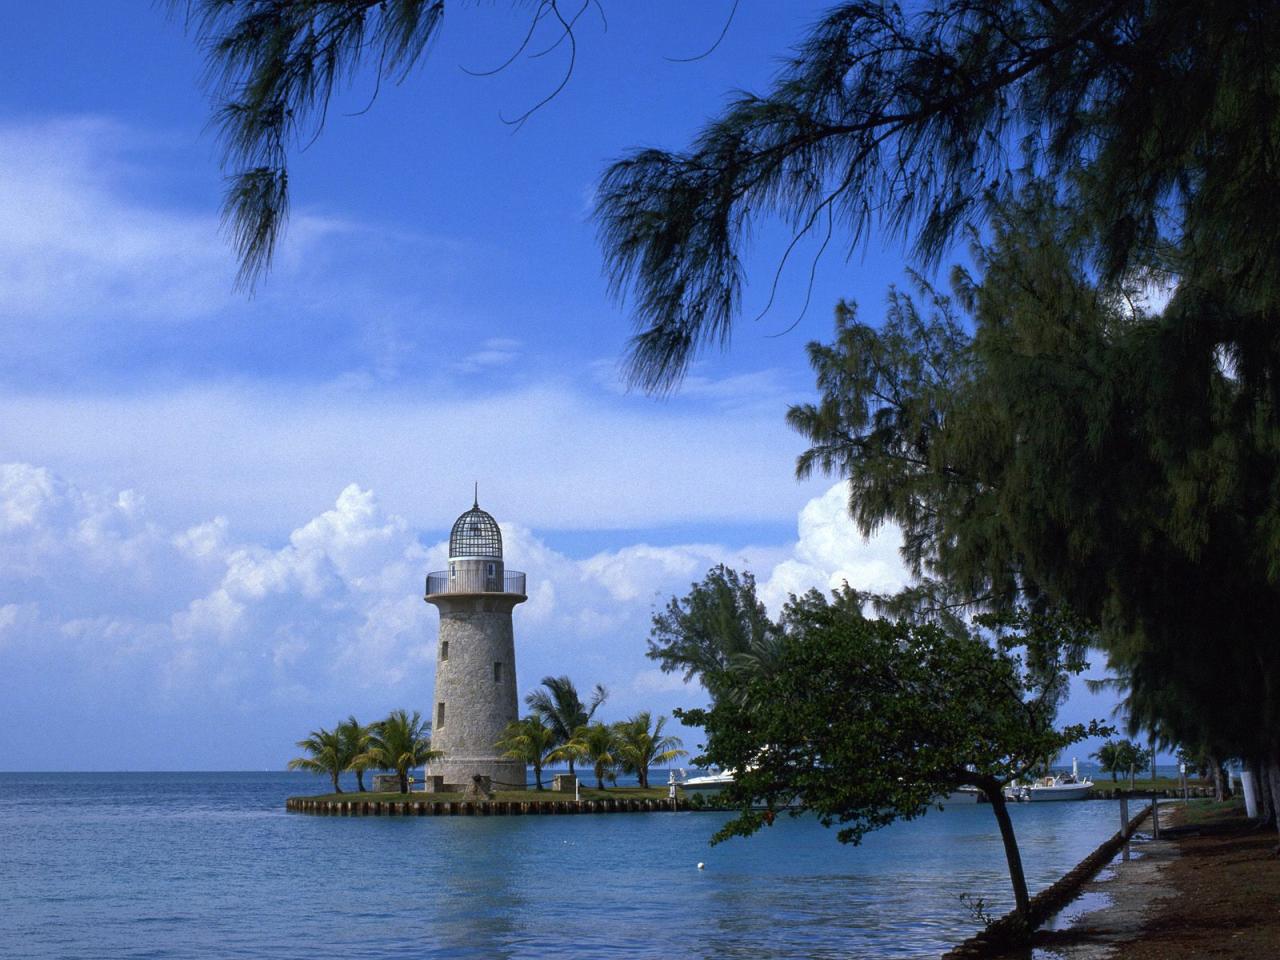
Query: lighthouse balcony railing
{"x":475,"y":581}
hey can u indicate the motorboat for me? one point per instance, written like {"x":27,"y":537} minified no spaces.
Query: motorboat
{"x":1065,"y":787}
{"x":707,"y":785}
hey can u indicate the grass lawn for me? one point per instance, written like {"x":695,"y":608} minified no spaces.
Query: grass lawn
{"x":1200,"y":812}
{"x":531,"y":795}
{"x":1103,"y":782}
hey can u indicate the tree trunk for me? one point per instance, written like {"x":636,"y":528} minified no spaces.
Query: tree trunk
{"x":333,"y":775}
{"x":1261,"y":792}
{"x":1000,"y":808}
{"x":1114,"y":779}
{"x":1219,"y":788}
{"x":404,"y":780}
{"x":537,"y":775}
{"x":1273,"y":780}
{"x":571,"y":766}
{"x":360,"y":781}
{"x":1265,"y":795}
{"x":1132,"y":774}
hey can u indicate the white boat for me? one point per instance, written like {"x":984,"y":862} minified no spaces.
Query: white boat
{"x":707,"y":785}
{"x":710,"y":784}
{"x":1066,"y":787}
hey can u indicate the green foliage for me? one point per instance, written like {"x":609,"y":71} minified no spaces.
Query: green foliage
{"x":640,"y":747}
{"x":561,"y":708}
{"x":720,"y":629}
{"x":597,"y":744}
{"x":1122,"y":756}
{"x":1074,"y":450}
{"x":401,"y":741}
{"x":356,"y":738}
{"x":273,"y":65}
{"x":1143,"y":117}
{"x":865,"y":722}
{"x":326,"y":753}
{"x":1110,"y":759}
{"x":528,"y":740}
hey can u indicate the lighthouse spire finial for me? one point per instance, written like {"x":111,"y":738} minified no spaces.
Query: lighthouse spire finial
{"x":475,"y":505}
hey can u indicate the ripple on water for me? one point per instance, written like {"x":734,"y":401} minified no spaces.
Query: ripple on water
{"x":196,"y":865}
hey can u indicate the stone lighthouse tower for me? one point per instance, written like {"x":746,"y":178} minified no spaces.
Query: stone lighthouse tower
{"x":475,"y":658}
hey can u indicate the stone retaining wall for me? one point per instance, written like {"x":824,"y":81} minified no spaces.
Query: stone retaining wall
{"x":1116,"y":792}
{"x":477,"y":808}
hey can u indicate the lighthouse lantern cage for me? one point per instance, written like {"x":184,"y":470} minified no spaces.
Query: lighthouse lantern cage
{"x":475,"y":534}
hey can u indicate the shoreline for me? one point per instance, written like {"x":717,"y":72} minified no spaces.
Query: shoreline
{"x":1003,"y":934}
{"x":1207,"y":887}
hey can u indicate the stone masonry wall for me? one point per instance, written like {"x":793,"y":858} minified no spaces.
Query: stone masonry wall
{"x":478,"y":704}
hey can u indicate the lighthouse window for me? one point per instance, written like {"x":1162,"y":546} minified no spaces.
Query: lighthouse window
{"x":493,"y":569}
{"x":439,"y":714}
{"x":497,"y":672}
{"x":453,"y":573}
{"x":444,"y":649}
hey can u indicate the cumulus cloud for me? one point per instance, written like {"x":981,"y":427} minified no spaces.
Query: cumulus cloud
{"x":134,"y":622}
{"x":831,"y":551}
{"x":628,"y":573}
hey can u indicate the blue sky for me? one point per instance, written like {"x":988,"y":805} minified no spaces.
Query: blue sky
{"x":217,"y":510}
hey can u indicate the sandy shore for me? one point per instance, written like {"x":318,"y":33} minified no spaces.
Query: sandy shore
{"x":1208,"y":888}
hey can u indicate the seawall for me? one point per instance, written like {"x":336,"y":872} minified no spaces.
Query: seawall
{"x":479,"y":808}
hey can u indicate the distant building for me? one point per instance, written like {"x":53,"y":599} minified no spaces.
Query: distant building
{"x":475,"y":658}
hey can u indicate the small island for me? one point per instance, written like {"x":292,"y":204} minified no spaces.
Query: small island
{"x":477,"y":762}
{"x":499,"y":803}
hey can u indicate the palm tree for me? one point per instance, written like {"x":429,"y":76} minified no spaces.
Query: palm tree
{"x":596,"y":744}
{"x":562,"y":709}
{"x":327,"y":754}
{"x":639,"y":747}
{"x":355,"y":740}
{"x":1110,"y":759}
{"x":529,"y":740}
{"x":399,"y":742}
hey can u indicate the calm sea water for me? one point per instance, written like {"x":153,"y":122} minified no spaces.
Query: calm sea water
{"x":209,"y":865}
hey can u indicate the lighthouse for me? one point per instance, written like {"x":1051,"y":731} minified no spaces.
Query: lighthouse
{"x":475,"y":693}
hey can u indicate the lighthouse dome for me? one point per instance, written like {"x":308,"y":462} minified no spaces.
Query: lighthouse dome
{"x":475,"y":534}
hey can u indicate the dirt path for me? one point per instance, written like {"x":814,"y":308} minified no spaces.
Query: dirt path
{"x":1209,"y":889}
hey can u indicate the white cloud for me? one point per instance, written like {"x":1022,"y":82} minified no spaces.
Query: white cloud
{"x":68,"y":239}
{"x":831,"y":551}
{"x":150,"y":374}
{"x":135,"y":624}
{"x":494,"y":352}
{"x":102,"y":604}
{"x":270,"y":459}
{"x":655,"y":681}
{"x":628,"y":573}
{"x":125,"y":287}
